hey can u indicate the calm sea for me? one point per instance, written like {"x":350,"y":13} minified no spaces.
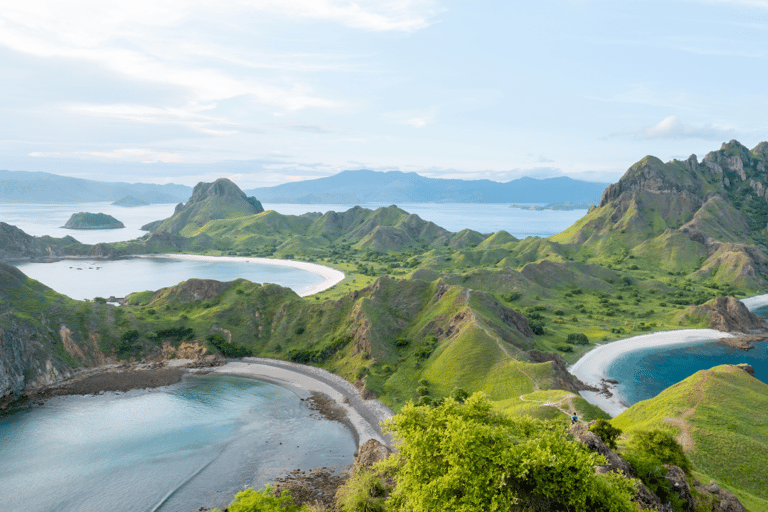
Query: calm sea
{"x":86,"y":279}
{"x":177,"y":448}
{"x":48,"y":219}
{"x":643,"y":374}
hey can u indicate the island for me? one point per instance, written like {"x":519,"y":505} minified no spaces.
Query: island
{"x":130,"y":202}
{"x":85,"y":220}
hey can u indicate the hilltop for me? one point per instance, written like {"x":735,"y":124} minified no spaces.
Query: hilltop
{"x":703,"y":219}
{"x":221,"y":199}
{"x":364,"y":186}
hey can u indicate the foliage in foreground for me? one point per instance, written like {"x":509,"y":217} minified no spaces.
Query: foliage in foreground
{"x":263,"y":501}
{"x":468,"y":457}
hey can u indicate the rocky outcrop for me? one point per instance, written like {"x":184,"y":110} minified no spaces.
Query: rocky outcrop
{"x":719,"y":500}
{"x":25,"y":363}
{"x":679,"y":485}
{"x":728,"y":314}
{"x":646,"y":499}
{"x":86,"y":220}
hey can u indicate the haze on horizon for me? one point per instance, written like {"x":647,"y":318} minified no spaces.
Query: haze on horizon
{"x":265,"y":92}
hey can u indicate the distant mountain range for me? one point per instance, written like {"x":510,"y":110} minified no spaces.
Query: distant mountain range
{"x":360,"y":187}
{"x":42,"y":187}
{"x":347,"y":187}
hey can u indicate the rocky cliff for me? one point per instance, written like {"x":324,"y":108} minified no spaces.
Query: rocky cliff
{"x":705,"y":217}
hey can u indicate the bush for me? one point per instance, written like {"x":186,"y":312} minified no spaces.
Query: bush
{"x":605,"y":431}
{"x":362,"y":492}
{"x":468,"y":457}
{"x":263,"y":501}
{"x":577,"y":338}
{"x":537,"y":327}
{"x":661,"y":446}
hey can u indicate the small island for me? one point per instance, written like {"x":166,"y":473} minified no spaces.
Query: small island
{"x":130,"y":202}
{"x":84,"y":220}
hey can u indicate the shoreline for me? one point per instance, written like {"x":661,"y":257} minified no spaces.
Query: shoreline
{"x":362,"y":417}
{"x":333,"y":397}
{"x":592,"y":367}
{"x":331,"y":276}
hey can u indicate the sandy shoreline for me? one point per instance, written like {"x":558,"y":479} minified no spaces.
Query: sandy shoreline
{"x":593,"y":366}
{"x":364,"y":416}
{"x":330,"y":276}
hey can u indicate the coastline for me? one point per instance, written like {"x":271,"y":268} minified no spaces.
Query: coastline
{"x":330,"y":276}
{"x":361,"y":416}
{"x":592,"y":367}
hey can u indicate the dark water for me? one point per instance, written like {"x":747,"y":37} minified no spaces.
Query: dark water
{"x":183,"y":447}
{"x":644,"y":374}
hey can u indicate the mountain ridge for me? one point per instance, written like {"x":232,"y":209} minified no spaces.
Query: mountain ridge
{"x":365,"y":186}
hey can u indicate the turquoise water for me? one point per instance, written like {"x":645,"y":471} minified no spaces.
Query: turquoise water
{"x":177,"y":448}
{"x":643,"y":374}
{"x":84,"y":279}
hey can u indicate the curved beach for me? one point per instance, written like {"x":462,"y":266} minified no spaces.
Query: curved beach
{"x":593,"y":366}
{"x":363,"y":417}
{"x":330,"y":276}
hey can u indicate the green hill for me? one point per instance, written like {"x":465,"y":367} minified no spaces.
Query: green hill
{"x":221,"y":199}
{"x":719,"y":417}
{"x":705,"y":219}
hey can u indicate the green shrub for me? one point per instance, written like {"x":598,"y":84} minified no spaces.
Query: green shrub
{"x":362,"y":492}
{"x":577,"y":338}
{"x":661,"y":446}
{"x":263,"y":501}
{"x":605,"y":431}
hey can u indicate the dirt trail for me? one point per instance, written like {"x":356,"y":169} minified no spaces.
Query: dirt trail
{"x":506,"y":352}
{"x":684,"y":438}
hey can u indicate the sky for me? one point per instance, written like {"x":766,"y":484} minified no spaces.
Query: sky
{"x":271,"y":91}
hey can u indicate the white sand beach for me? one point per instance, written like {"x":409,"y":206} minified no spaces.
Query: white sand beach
{"x":593,"y":366}
{"x":364,"y":415}
{"x":330,"y":276}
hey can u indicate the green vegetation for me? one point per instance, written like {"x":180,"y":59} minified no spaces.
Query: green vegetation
{"x":719,"y":413}
{"x":466,"y":457}
{"x":263,"y":501}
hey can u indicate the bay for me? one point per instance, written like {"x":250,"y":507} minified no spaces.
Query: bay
{"x":644,"y":373}
{"x":177,"y":448}
{"x":87,"y":279}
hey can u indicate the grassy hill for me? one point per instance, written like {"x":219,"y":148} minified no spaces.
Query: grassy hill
{"x":706,"y":220}
{"x":719,"y":418}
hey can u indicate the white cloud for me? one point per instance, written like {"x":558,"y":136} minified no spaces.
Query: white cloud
{"x":415,"y":118}
{"x":126,"y":155}
{"x":159,"y":42}
{"x":672,"y":128}
{"x":188,"y":116}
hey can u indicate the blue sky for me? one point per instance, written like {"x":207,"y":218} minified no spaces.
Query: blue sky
{"x":271,"y":91}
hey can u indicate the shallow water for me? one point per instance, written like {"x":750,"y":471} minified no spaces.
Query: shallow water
{"x":182,"y":447}
{"x":86,"y":279}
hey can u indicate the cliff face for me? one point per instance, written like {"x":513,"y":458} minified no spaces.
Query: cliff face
{"x":25,"y":361}
{"x":39,"y":343}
